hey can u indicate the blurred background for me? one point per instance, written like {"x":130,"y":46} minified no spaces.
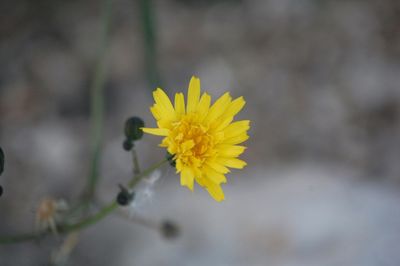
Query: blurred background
{"x":321,"y":80}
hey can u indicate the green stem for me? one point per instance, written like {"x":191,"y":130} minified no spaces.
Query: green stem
{"x":136,"y":167}
{"x":91,"y":219}
{"x":97,"y":100}
{"x":21,"y":238}
{"x":86,"y":222}
{"x":148,"y":29}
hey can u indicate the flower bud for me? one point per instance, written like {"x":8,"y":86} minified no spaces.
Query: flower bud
{"x":169,"y":230}
{"x":125,"y":197}
{"x":1,"y":161}
{"x":133,"y":129}
{"x":127,"y":145}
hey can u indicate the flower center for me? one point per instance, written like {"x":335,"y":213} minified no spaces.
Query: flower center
{"x":193,"y":141}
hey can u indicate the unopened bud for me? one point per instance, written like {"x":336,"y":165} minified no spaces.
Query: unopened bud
{"x":125,"y":197}
{"x":127,"y":145}
{"x":133,"y":129}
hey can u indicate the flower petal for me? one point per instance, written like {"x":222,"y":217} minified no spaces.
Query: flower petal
{"x":163,"y":103}
{"x":203,"y":106}
{"x":232,"y":162}
{"x":226,"y":118}
{"x":217,"y":167}
{"x":236,"y":128}
{"x":214,"y":190}
{"x":235,"y":107}
{"x":179,"y":104}
{"x":213,"y":175}
{"x":219,"y":107}
{"x":222,"y":122}
{"x":156,"y":112}
{"x":236,"y":139}
{"x":187,"y":178}
{"x":193,"y":94}
{"x":230,"y":150}
{"x":156,"y":131}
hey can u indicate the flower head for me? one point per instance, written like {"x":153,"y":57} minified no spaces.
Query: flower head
{"x":201,"y":137}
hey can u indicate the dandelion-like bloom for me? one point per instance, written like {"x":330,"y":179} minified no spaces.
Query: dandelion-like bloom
{"x":201,"y":136}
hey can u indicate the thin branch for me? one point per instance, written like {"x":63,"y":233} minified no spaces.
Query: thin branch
{"x":136,"y":167}
{"x":97,"y":100}
{"x":149,"y":35}
{"x":86,"y":222}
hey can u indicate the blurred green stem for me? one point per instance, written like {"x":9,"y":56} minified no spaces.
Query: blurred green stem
{"x":86,"y":222}
{"x":97,"y":101}
{"x":148,"y":29}
{"x":136,"y":167}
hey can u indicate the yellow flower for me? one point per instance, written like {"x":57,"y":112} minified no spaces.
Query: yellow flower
{"x":201,"y":137}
